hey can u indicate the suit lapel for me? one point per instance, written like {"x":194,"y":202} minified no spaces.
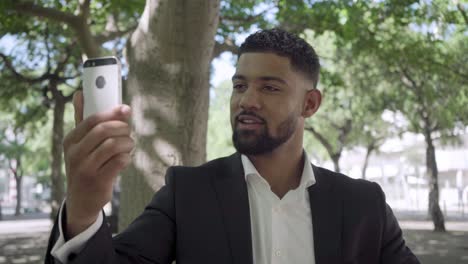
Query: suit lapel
{"x":231,"y":191}
{"x":326,"y":206}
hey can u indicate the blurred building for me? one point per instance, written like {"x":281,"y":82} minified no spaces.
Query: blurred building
{"x":34,"y":198}
{"x":401,"y":171}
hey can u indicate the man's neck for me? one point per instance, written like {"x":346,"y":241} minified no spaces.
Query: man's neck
{"x":282,"y":169}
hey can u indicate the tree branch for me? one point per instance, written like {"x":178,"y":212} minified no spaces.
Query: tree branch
{"x":449,"y":68}
{"x":45,"y":76}
{"x":344,"y":132}
{"x":28,"y":7}
{"x":462,"y":11}
{"x":227,"y":45}
{"x":16,"y":74}
{"x":77,"y":23}
{"x":13,"y":169}
{"x":61,"y":65}
{"x":46,"y":42}
{"x":334,"y":125}
{"x":247,"y":19}
{"x":407,"y":79}
{"x":110,"y":35}
{"x":322,"y":140}
{"x":84,"y":7}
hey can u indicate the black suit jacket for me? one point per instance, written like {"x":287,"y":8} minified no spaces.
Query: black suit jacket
{"x":202,"y":215}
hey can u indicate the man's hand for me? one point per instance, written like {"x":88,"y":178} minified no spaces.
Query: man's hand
{"x":96,"y":150}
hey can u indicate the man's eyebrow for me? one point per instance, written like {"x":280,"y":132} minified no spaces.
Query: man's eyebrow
{"x":263,"y":78}
{"x":238,"y":77}
{"x":273,"y":78}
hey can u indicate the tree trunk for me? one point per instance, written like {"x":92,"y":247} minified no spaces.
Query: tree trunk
{"x":336,"y":161}
{"x":334,"y":155}
{"x":169,"y":58}
{"x":19,"y":195}
{"x":18,"y":175}
{"x":432,"y":172}
{"x":58,"y":181}
{"x":370,"y":148}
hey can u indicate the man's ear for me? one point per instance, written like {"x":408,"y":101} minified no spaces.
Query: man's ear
{"x":313,"y":98}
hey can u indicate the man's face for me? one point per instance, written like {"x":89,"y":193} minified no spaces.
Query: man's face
{"x":266,"y":102}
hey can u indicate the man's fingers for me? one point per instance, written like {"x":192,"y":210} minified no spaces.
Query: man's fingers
{"x":78,"y":106}
{"x":109,"y":148}
{"x":101,"y":132}
{"x":115,"y":164}
{"x":122,"y":113}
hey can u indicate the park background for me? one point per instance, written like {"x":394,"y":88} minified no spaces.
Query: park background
{"x":394,"y":78}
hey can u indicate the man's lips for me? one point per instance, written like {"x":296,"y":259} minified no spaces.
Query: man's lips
{"x":245,"y":121}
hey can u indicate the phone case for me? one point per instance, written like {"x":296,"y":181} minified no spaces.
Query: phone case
{"x":102,"y":88}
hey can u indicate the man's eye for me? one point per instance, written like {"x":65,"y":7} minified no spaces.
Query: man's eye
{"x":238,"y":86}
{"x":270,"y":88}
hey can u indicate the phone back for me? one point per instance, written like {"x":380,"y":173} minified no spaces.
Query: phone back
{"x":101,"y":85}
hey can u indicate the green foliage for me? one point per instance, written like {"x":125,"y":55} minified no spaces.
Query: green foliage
{"x":34,"y":137}
{"x":29,"y":69}
{"x":46,"y":55}
{"x":387,"y":47}
{"x":242,"y":16}
{"x":350,"y":114}
{"x":364,"y":45}
{"x":125,"y":13}
{"x":366,"y":49}
{"x":426,"y":79}
{"x":219,"y":138}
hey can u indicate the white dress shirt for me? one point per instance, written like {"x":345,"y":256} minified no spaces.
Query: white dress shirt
{"x":281,"y":228}
{"x":62,"y":249}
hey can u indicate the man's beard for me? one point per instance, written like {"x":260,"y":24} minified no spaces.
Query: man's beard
{"x":257,"y":142}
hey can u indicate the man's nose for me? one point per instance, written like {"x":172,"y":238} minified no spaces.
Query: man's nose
{"x":250,"y":99}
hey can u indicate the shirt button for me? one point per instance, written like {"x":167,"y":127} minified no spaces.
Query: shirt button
{"x":278,"y":253}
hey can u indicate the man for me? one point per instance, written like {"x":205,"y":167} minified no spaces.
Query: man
{"x":264,"y":204}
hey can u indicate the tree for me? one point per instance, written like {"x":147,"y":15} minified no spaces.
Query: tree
{"x":15,"y":134}
{"x":90,"y":35}
{"x":92,"y":23}
{"x":372,"y":137}
{"x":349,"y":106}
{"x":52,"y":90}
{"x":55,"y":41}
{"x":13,"y":148}
{"x":397,"y":34}
{"x":430,"y":89}
{"x":169,"y":58}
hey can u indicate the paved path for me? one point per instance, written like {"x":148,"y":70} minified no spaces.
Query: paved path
{"x":438,"y":248}
{"x":427,"y":225}
{"x":25,"y":241}
{"x":23,"y":248}
{"x":25,"y":226}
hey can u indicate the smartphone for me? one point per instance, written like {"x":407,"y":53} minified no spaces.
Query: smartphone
{"x":102,"y":85}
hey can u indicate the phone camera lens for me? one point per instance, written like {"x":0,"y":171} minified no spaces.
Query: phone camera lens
{"x":100,"y":82}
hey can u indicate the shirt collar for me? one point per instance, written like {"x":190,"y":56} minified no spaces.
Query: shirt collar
{"x":307,"y":178}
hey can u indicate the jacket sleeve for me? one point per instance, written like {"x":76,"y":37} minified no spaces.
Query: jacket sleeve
{"x":150,"y":238}
{"x":394,"y":249}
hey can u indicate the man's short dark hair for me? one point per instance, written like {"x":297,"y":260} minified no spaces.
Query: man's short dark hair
{"x":282,"y":43}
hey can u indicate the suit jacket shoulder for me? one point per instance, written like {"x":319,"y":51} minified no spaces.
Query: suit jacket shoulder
{"x":369,"y":232}
{"x":353,"y":190}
